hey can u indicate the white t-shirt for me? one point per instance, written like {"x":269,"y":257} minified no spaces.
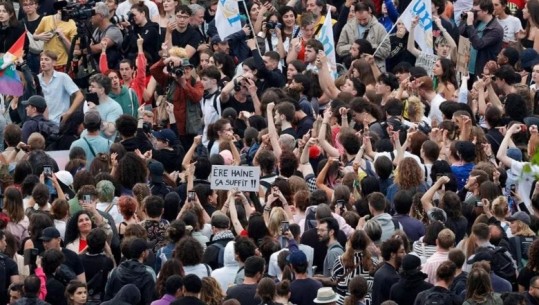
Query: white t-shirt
{"x":525,"y":180}
{"x":435,"y":113}
{"x":125,"y":7}
{"x":511,"y":26}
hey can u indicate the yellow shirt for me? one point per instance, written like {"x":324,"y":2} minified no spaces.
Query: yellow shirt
{"x":50,"y":23}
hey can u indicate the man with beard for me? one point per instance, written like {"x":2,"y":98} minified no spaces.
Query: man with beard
{"x":387,"y":275}
{"x":328,"y":229}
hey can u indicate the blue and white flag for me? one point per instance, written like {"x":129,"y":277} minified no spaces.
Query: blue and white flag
{"x":423,"y":30}
{"x":325,"y":36}
{"x":227,"y":18}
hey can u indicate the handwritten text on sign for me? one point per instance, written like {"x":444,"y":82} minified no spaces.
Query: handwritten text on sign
{"x":244,"y":178}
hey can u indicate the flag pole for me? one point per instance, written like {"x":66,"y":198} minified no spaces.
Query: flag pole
{"x":251,"y":25}
{"x":387,"y":35}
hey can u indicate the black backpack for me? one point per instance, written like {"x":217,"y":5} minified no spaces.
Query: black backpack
{"x":437,"y":298}
{"x":502,"y":263}
{"x":221,"y":255}
{"x":521,"y":244}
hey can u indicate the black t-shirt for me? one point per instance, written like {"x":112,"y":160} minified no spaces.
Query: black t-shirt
{"x":304,"y":125}
{"x":10,"y":270}
{"x":73,"y":261}
{"x":31,"y":26}
{"x":239,"y":106}
{"x":303,"y":292}
{"x":245,"y":294}
{"x":190,"y":37}
{"x":93,"y":263}
{"x":525,"y":276}
{"x":290,"y":131}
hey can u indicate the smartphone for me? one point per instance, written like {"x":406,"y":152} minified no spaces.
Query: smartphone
{"x":47,"y":170}
{"x":478,"y":204}
{"x":285,"y":226}
{"x":92,"y":97}
{"x":191,"y":196}
{"x":87,"y":198}
{"x":513,"y":188}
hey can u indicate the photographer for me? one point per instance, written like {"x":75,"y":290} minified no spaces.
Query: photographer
{"x":57,"y":31}
{"x":106,"y":32}
{"x":485,"y":34}
{"x":149,"y":31}
{"x":185,"y":92}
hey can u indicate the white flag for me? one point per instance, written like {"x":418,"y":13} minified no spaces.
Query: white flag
{"x":325,"y":36}
{"x":227,"y":18}
{"x":423,"y":30}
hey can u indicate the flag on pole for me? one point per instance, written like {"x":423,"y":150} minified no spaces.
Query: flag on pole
{"x":325,"y":36}
{"x":227,"y":18}
{"x":10,"y":82}
{"x":423,"y":30}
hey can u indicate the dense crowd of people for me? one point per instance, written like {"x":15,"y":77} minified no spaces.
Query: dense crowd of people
{"x":386,"y":178}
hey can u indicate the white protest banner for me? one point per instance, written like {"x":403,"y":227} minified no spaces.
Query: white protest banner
{"x":227,"y":18}
{"x":243,"y":178}
{"x":463,"y":56}
{"x":426,"y":61}
{"x":325,"y":36}
{"x":423,"y":30}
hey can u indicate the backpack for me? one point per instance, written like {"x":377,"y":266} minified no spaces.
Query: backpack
{"x":502,"y":264}
{"x":437,"y":298}
{"x":221,"y":256}
{"x":96,"y":286}
{"x":49,"y":130}
{"x":521,"y":244}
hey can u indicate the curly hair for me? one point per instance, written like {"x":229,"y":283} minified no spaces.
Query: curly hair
{"x":416,"y":109}
{"x":128,"y":206}
{"x":72,"y":228}
{"x":38,"y":222}
{"x":358,"y":288}
{"x":211,"y":292}
{"x":358,"y":242}
{"x":409,"y":174}
{"x":193,"y":256}
{"x":135,"y":230}
{"x":533,"y":256}
{"x":131,"y":170}
{"x":500,"y":207}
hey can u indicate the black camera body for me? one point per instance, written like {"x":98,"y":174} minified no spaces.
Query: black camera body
{"x":118,"y":19}
{"x":175,"y":70}
{"x":464,"y":15}
{"x":270,"y":25}
{"x":75,"y":11}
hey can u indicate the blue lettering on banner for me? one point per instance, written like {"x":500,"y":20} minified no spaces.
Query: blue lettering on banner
{"x":424,"y":15}
{"x":328,"y":45}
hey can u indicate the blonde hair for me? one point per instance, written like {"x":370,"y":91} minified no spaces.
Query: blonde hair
{"x":277,"y":216}
{"x":415,"y":109}
{"x":178,"y":52}
{"x":523,"y":229}
{"x":36,"y":141}
{"x":500,"y":207}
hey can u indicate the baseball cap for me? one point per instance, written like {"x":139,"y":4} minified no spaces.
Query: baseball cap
{"x":36,"y":101}
{"x":49,"y":233}
{"x":522,"y":216}
{"x":65,"y":177}
{"x":220,"y":220}
{"x":297,"y":258}
{"x":186,"y":63}
{"x":166,"y":135}
{"x":482,"y":254}
{"x":156,"y":171}
{"x":410,"y":262}
{"x":529,"y":58}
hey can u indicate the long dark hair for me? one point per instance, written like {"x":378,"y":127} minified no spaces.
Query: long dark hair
{"x":449,"y":75}
{"x":13,"y":22}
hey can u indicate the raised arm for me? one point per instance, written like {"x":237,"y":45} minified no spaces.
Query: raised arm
{"x":324,"y":77}
{"x":426,"y":200}
{"x":189,"y":154}
{"x":502,"y":151}
{"x":272,"y":131}
{"x":411,"y":38}
{"x":322,"y":141}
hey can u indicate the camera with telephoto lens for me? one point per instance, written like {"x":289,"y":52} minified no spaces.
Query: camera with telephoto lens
{"x":270,"y":25}
{"x":464,"y":15}
{"x":119,"y":19}
{"x":175,"y":70}
{"x":75,"y":11}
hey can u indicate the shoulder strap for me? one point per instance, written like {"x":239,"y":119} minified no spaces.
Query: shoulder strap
{"x":208,"y":269}
{"x":90,"y":146}
{"x":109,"y":207}
{"x":132,"y":101}
{"x":319,"y":27}
{"x":395,"y":223}
{"x":215,"y":105}
{"x":426,"y":172}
